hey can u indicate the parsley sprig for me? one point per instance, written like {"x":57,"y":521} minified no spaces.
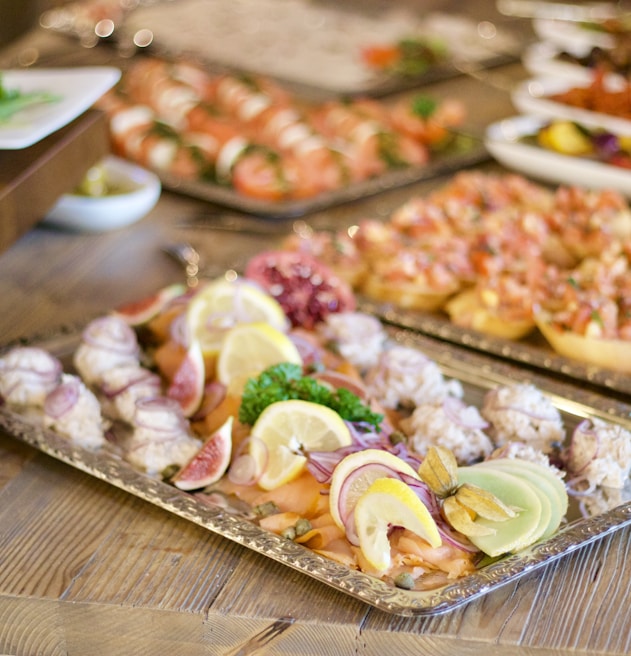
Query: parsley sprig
{"x":286,"y":381}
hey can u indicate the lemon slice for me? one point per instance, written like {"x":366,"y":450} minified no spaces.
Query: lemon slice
{"x":250,"y":348}
{"x":224,"y":303}
{"x":285,"y":430}
{"x":354,"y":474}
{"x":390,"y":502}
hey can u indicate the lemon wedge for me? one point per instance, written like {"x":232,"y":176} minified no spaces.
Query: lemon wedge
{"x":390,"y":502}
{"x":354,"y":474}
{"x":223,"y":304}
{"x":250,"y":348}
{"x":285,"y":430}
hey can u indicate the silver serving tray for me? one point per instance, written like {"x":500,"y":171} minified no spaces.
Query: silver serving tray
{"x":315,"y":46}
{"x":477,"y":373}
{"x":440,"y":163}
{"x":532,"y":351}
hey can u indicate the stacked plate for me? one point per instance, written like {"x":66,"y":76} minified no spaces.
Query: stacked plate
{"x":562,"y":62}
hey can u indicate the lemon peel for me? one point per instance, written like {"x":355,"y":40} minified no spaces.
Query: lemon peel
{"x":285,"y":431}
{"x":223,"y":304}
{"x":350,"y":464}
{"x":248,"y":349}
{"x":390,"y":502}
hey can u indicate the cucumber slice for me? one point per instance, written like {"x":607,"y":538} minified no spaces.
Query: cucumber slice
{"x":513,"y":534}
{"x":543,"y":479}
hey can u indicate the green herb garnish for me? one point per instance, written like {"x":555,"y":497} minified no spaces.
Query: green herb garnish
{"x":286,"y":381}
{"x":597,"y":318}
{"x":423,"y":106}
{"x":389,"y":151}
{"x":13,"y":100}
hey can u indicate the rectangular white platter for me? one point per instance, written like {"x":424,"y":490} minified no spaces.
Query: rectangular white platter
{"x":316,"y":45}
{"x":533,"y":96}
{"x":75,"y":90}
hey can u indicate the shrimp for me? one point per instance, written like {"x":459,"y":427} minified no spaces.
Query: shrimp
{"x":152,"y":83}
{"x":246,"y":97}
{"x":266,"y":175}
{"x":425,"y":120}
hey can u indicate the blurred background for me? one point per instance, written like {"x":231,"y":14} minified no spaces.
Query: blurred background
{"x":16,"y":16}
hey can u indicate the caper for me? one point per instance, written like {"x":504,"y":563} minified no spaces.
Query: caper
{"x":169,"y":472}
{"x":266,"y":509}
{"x":315,"y":368}
{"x":397,"y":437}
{"x":404,"y":580}
{"x":289,"y":533}
{"x":302,"y":526}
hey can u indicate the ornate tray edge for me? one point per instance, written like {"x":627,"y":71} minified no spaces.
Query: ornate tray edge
{"x":440,"y":164}
{"x":531,"y":355}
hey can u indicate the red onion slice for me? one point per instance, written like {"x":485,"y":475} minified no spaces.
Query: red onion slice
{"x":322,"y":463}
{"x":244,"y":469}
{"x":62,"y":399}
{"x":308,"y":348}
{"x":587,"y":429}
{"x":448,"y":535}
{"x":137,"y":376}
{"x":336,"y":380}
{"x":32,"y":361}
{"x":161,"y":415}
{"x":111,"y":333}
{"x":370,"y":471}
{"x":214,"y":395}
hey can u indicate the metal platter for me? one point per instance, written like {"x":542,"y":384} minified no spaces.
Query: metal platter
{"x":532,"y":351}
{"x":477,"y":374}
{"x":469,"y":152}
{"x":315,"y":45}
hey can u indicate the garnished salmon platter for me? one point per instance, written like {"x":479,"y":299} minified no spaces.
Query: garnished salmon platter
{"x":247,"y":142}
{"x":398,"y":469}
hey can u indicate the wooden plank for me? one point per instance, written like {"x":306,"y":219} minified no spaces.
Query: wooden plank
{"x":30,"y":626}
{"x":13,"y":457}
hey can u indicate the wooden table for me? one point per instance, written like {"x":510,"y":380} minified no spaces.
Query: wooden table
{"x":88,"y":569}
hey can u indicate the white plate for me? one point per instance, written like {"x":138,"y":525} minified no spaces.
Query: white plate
{"x":541,"y":59}
{"x":569,"y":34}
{"x":77,"y":89}
{"x":531,"y":97}
{"x":502,"y":143}
{"x":100,"y":214}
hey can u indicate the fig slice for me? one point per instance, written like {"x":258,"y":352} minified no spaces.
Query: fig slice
{"x":138,"y":313}
{"x":187,"y":385}
{"x":210,"y":463}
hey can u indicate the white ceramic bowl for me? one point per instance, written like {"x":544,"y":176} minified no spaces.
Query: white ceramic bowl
{"x":140,"y":192}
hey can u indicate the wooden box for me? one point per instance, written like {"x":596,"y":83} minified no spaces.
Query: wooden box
{"x":32,"y":179}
